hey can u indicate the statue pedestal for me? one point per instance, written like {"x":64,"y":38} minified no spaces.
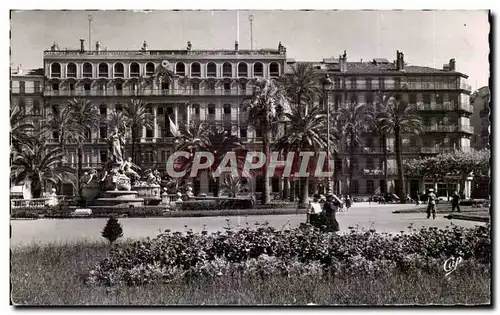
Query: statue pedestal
{"x":119,"y":198}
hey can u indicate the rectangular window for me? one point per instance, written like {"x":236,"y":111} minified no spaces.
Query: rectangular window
{"x":103,"y":132}
{"x":337,"y":83}
{"x":149,"y":133}
{"x":103,"y":155}
{"x":164,"y":86}
{"x":36,"y":107}
{"x":439,"y":99}
{"x":227,"y":86}
{"x":119,"y":87}
{"x":258,"y":133}
{"x":397,"y":82}
{"x":196,"y":109}
{"x":71,"y":86}
{"x":163,"y":156}
{"x":227,"y":109}
{"x":160,"y":111}
{"x":355,"y":186}
{"x":354,"y":99}
{"x":37,"y":86}
{"x":427,"y":98}
{"x":338,"y":101}
{"x":353,"y":84}
{"x":369,"y":83}
{"x":381,"y":83}
{"x":103,"y":110}
{"x":86,"y":86}
{"x":426,"y":120}
{"x":195,"y":86}
{"x":383,"y":186}
{"x":243,"y":86}
{"x":243,"y":132}
{"x":211,"y":109}
{"x":22,"y":87}
{"x":22,"y":105}
{"x":55,"y":87}
{"x":211,"y":85}
{"x":412,"y":98}
{"x":369,"y":98}
{"x":370,"y":189}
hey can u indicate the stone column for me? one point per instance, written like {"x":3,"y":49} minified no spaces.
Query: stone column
{"x":155,"y":124}
{"x":188,"y":114}
{"x":143,"y":132}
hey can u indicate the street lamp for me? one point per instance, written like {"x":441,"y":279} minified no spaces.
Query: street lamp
{"x":327,"y":83}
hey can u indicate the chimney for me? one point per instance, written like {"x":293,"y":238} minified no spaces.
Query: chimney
{"x":82,"y":45}
{"x":236,"y":45}
{"x":97,"y":46}
{"x":343,"y":62}
{"x":400,"y":62}
{"x":452,"y":64}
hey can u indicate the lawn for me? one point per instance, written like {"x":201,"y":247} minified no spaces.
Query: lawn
{"x":54,"y":275}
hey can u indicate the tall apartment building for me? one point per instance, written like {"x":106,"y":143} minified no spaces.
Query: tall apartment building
{"x":440,"y":95}
{"x":210,"y":86}
{"x":481,"y":118}
{"x":27,"y":92}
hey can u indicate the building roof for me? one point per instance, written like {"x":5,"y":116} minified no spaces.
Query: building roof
{"x":27,"y":72}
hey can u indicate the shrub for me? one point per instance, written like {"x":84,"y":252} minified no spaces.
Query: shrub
{"x":218,"y":204}
{"x":113,"y":230}
{"x":264,"y":251}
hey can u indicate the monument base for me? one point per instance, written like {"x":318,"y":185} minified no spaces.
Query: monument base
{"x":119,"y":198}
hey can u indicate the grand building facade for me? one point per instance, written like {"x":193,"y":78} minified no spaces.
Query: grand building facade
{"x":211,"y":85}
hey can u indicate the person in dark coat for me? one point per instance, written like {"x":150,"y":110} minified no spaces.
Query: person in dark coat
{"x":455,"y":202}
{"x":330,"y":208}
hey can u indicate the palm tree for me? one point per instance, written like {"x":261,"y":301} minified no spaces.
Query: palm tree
{"x":138,"y":117}
{"x":233,"y":185}
{"x":266,"y":105}
{"x":19,"y":125}
{"x":61,"y":121}
{"x":117,"y":120}
{"x":39,"y":164}
{"x":305,"y":132}
{"x":401,"y":118}
{"x":353,"y":119}
{"x":301,"y":84}
{"x":379,"y":128}
{"x":85,"y":119}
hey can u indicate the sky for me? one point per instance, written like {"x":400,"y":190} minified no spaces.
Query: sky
{"x":427,"y":38}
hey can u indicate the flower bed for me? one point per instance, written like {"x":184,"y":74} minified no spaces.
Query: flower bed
{"x":304,"y":251}
{"x":218,"y":204}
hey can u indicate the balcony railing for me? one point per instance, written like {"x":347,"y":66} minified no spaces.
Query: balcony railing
{"x":466,"y":107}
{"x":149,"y":92}
{"x":449,"y":128}
{"x":403,"y":85}
{"x":111,"y":53}
{"x":30,"y":90}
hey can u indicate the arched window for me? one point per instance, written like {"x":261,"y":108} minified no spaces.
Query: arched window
{"x":103,"y":70}
{"x":195,"y":70}
{"x":150,"y":69}
{"x":242,"y":70}
{"x":135,"y":70}
{"x":71,"y":70}
{"x":87,"y":70}
{"x":227,"y":70}
{"x":211,"y":69}
{"x":119,"y":70}
{"x":258,"y":69}
{"x":180,"y":68}
{"x":274,"y":69}
{"x":55,"y":70}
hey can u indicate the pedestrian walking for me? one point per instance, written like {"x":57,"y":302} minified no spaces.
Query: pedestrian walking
{"x":431,"y":204}
{"x":455,"y":202}
{"x":330,"y":208}
{"x":348,"y":201}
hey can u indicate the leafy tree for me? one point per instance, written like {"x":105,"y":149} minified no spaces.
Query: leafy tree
{"x":400,"y":118}
{"x":37,"y":163}
{"x":113,"y":230}
{"x":306,"y":131}
{"x":138,"y":118}
{"x":265,"y":107}
{"x":378,"y":126}
{"x":354,"y":120}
